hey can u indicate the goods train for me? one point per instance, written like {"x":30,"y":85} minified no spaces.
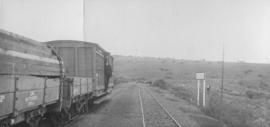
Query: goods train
{"x":51,"y":81}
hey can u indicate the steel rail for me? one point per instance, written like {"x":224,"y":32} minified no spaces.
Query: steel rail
{"x":168,"y":113}
{"x":140,"y":98}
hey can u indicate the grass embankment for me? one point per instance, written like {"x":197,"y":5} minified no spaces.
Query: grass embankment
{"x":229,"y":113}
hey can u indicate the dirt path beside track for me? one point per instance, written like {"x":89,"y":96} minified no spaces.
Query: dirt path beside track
{"x":121,"y":109}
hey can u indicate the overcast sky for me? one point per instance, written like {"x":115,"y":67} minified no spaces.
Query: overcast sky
{"x":184,"y":29}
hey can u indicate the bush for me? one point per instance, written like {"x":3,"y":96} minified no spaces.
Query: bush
{"x":183,"y":93}
{"x":260,"y":75}
{"x":231,"y":115}
{"x":248,"y":71}
{"x":160,"y":83}
{"x":241,"y":83}
{"x":254,"y":94}
{"x":263,"y":85}
{"x":260,"y":122}
{"x":119,"y":80}
{"x":168,"y":77}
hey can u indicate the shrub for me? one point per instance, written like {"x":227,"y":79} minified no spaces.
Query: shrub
{"x":148,"y":82}
{"x":260,"y":122}
{"x":160,"y":83}
{"x":183,"y":93}
{"x":260,"y":75}
{"x":263,"y":85}
{"x":254,"y":94}
{"x":140,"y":79}
{"x":241,"y":83}
{"x":119,"y":80}
{"x":248,"y":71}
{"x":169,"y":73}
{"x":231,"y":115}
{"x":168,"y":77}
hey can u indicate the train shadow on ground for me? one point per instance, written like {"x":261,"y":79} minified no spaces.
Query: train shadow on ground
{"x":95,"y":108}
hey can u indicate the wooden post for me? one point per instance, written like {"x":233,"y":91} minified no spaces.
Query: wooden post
{"x":198,"y":93}
{"x":222,"y":72}
{"x":204,"y":93}
{"x":200,"y":77}
{"x":1,"y":13}
{"x":84,"y":29}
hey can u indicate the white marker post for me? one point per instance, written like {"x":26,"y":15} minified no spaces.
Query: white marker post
{"x":204,"y":93}
{"x":198,"y":92}
{"x":200,"y":77}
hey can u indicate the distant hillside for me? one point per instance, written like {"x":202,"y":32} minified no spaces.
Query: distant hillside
{"x":250,"y":75}
{"x":238,"y":77}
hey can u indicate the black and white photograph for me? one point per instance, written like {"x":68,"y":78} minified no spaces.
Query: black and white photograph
{"x":134,"y":63}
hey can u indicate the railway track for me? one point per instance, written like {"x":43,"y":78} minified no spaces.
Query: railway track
{"x":154,"y":114}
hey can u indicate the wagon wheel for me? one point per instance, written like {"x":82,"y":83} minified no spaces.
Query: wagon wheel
{"x":90,"y":104}
{"x":86,"y":107}
{"x":83,"y":109}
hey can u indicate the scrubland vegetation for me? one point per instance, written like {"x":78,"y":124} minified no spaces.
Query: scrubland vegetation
{"x":246,"y":101}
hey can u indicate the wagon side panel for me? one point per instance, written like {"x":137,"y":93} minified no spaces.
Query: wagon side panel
{"x":6,"y":103}
{"x":28,"y":99}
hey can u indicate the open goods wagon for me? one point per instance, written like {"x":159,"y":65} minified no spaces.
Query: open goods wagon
{"x":49,"y":81}
{"x":88,"y":69}
{"x":29,"y":79}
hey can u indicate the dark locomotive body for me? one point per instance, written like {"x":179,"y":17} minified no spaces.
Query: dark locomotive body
{"x":55,"y":81}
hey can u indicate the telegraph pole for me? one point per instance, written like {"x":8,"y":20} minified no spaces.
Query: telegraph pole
{"x":222,"y":72}
{"x":84,"y":29}
{"x":1,"y":13}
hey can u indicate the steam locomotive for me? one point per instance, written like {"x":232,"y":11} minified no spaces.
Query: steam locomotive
{"x":51,"y":81}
